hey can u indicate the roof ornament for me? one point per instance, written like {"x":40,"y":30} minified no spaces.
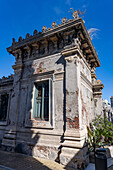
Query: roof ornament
{"x":44,"y":28}
{"x":35,"y":32}
{"x":98,"y":82}
{"x":53,"y":25}
{"x":20,"y":39}
{"x":13,"y":41}
{"x":27,"y":35}
{"x":64,"y":20}
{"x":75,"y":14}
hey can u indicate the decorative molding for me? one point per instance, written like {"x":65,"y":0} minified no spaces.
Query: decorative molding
{"x":85,"y":81}
{"x":59,"y":32}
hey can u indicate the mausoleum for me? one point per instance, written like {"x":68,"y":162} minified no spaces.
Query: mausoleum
{"x":46,"y":105}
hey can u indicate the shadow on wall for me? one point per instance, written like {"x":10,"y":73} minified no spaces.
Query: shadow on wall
{"x":23,"y":138}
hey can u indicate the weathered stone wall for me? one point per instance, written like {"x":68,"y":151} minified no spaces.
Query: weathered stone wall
{"x":6,"y":87}
{"x":86,"y":94}
{"x":64,"y":55}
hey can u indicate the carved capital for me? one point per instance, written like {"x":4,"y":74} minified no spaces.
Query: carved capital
{"x":18,"y":54}
{"x":71,"y":58}
{"x":93,"y":75}
{"x":72,"y":51}
{"x":28,"y":49}
{"x":17,"y":68}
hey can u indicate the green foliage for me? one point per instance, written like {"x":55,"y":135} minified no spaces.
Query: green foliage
{"x":100,"y":133}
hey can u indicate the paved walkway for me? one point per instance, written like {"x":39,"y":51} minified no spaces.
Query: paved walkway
{"x":16,"y":161}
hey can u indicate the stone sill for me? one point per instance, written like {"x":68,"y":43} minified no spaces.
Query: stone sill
{"x":3,"y":123}
{"x":39,"y":124}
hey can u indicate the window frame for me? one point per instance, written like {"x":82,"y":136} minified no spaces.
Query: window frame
{"x":41,"y":83}
{"x":32,"y":122}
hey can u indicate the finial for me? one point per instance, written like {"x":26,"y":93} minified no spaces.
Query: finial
{"x":27,"y":35}
{"x":13,"y":41}
{"x":43,"y":28}
{"x":75,"y":14}
{"x":20,"y":39}
{"x":64,"y":20}
{"x":35,"y":32}
{"x":53,"y":25}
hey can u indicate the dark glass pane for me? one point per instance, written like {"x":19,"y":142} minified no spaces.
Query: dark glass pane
{"x":4,"y":105}
{"x":46,"y":101}
{"x":42,"y":101}
{"x":39,"y":91}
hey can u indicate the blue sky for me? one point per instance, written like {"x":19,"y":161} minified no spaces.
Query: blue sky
{"x":18,"y":17}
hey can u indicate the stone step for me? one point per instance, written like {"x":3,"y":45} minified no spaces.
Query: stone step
{"x":74,"y":138}
{"x":9,"y":136}
{"x":73,"y":144}
{"x":8,"y":142}
{"x":67,"y":150}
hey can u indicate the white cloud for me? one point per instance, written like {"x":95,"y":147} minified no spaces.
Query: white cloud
{"x":84,"y":6}
{"x":68,"y":2}
{"x":57,"y":10}
{"x":93,"y":33}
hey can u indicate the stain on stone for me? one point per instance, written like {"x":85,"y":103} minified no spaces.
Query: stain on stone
{"x":13,"y":95}
{"x":73,"y":123}
{"x":77,"y":92}
{"x":75,"y":62}
{"x":59,"y":69}
{"x":40,"y":68}
{"x":67,"y":93}
{"x":72,"y":93}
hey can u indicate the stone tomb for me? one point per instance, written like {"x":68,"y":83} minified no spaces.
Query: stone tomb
{"x":53,"y":95}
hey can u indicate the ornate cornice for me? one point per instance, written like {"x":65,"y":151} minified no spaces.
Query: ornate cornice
{"x":57,"y":37}
{"x":97,"y":88}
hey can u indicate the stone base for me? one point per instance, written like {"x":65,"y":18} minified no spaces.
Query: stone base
{"x":74,"y":150}
{"x":8,"y":141}
{"x":74,"y":158}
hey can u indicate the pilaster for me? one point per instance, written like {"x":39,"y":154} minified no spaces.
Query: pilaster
{"x":73,"y":146}
{"x":97,"y":94}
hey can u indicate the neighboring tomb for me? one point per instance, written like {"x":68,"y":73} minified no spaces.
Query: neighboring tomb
{"x":51,"y":98}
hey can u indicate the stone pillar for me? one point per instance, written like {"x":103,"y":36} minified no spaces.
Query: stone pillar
{"x":73,"y":147}
{"x":97,"y":94}
{"x":97,"y":97}
{"x":11,"y":129}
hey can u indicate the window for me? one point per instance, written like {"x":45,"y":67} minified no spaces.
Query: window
{"x":42,"y":100}
{"x":3,"y":107}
